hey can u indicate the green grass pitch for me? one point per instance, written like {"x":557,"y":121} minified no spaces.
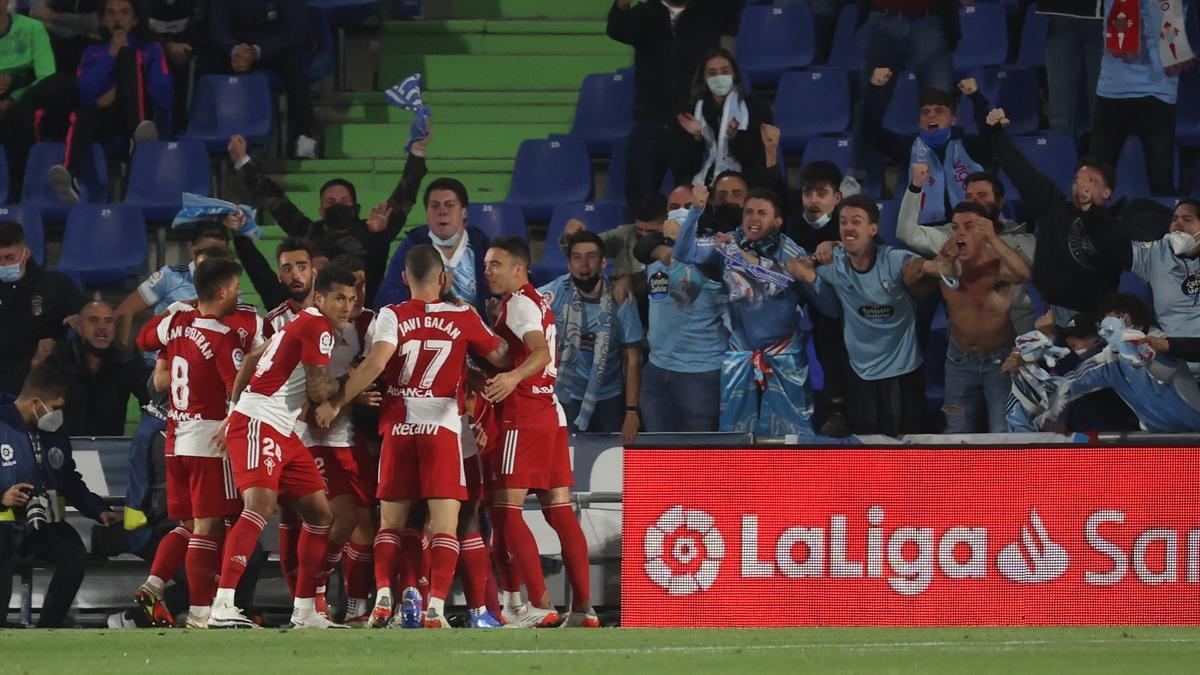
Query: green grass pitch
{"x":608,"y":651}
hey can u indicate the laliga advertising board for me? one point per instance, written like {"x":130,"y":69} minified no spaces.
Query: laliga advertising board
{"x":911,"y":537}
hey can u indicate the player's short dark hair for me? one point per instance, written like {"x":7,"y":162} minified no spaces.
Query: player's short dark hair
{"x":1106,"y":170}
{"x":651,"y":208}
{"x":334,"y":275}
{"x":214,"y":253}
{"x":350,"y":262}
{"x":445,"y":183}
{"x":11,"y":234}
{"x":971,"y":207}
{"x":584,"y":237}
{"x":203,"y":232}
{"x":422,"y":263}
{"x":212,"y":274}
{"x":48,"y":380}
{"x":293,"y":244}
{"x":935,"y":96}
{"x":988,"y":177}
{"x":514,"y":246}
{"x":820,"y":172}
{"x":1139,"y":313}
{"x":339,"y":182}
{"x":865,"y":203}
{"x":767,"y":195}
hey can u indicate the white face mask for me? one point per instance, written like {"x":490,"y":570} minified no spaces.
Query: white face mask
{"x":449,"y":241}
{"x":50,"y":422}
{"x":819,"y":222}
{"x":720,"y":85}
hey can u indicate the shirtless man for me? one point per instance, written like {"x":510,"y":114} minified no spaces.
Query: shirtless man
{"x":979,"y":276}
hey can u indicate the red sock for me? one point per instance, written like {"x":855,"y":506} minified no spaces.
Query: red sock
{"x":507,"y":577}
{"x":203,"y":557}
{"x":388,"y":549}
{"x":310,"y":554}
{"x":411,"y":555}
{"x":522,"y":549}
{"x":443,"y":559}
{"x":473,"y":569}
{"x":333,"y":558}
{"x":289,"y":540}
{"x":239,"y":546}
{"x":356,"y":567}
{"x":170,"y":553}
{"x":562,"y":518}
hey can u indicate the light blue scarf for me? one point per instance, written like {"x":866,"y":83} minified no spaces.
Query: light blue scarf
{"x":573,"y":325}
{"x":942,"y":177}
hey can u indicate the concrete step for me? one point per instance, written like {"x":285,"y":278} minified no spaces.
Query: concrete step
{"x":479,"y":141}
{"x":501,"y":72}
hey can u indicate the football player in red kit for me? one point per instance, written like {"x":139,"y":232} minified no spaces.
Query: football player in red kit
{"x":199,"y":351}
{"x":275,"y":383}
{"x":534,"y":447}
{"x":423,"y":345}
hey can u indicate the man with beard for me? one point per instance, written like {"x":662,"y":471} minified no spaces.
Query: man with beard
{"x":595,"y":333}
{"x":461,"y":246}
{"x":979,"y":279}
{"x":986,"y":190}
{"x":103,"y":375}
{"x":341,"y":228}
{"x":764,"y":376}
{"x":294,"y":281}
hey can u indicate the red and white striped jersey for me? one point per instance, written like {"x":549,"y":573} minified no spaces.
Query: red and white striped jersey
{"x":282,"y":315}
{"x":425,"y":377}
{"x":347,"y":347}
{"x":278,"y":389}
{"x":532,"y":403}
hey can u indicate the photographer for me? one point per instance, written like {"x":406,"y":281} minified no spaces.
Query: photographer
{"x":37,"y":481}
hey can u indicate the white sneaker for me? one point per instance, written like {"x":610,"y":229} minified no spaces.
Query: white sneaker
{"x":586,"y":619}
{"x":529,"y":616}
{"x":306,"y":147}
{"x":226,"y":615}
{"x":311,"y":619}
{"x":65,"y":187}
{"x":198,"y":618}
{"x":145,"y":132}
{"x":119,"y":621}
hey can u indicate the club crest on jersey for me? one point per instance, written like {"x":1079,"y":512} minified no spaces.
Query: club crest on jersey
{"x":55,"y":457}
{"x":242,"y":335}
{"x":6,"y":455}
{"x":270,"y":464}
{"x":35,"y":305}
{"x":326,"y":343}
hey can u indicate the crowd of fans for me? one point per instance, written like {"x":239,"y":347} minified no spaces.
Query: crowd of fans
{"x":697,"y":315}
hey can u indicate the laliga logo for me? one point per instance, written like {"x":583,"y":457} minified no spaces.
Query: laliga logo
{"x":693,"y":550}
{"x":1046,"y":559}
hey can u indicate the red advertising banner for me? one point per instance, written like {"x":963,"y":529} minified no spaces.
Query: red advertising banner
{"x":911,"y":537}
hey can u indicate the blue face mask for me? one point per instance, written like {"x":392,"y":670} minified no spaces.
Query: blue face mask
{"x":10,"y":274}
{"x":936,"y":139}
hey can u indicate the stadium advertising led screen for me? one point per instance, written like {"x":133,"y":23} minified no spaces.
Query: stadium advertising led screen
{"x":910,"y":537}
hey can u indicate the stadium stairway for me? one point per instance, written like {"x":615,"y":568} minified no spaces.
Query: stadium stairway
{"x":497,"y":73}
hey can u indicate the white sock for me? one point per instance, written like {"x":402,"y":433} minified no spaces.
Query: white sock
{"x":384,"y":592}
{"x":224,"y":596}
{"x":157,"y":585}
{"x":437,"y":605}
{"x":304,"y":605}
{"x":511,"y":599}
{"x":198,"y":610}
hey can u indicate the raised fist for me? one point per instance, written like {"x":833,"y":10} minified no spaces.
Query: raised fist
{"x":968,"y":86}
{"x":881,"y":76}
{"x":997,"y":118}
{"x":920,"y":174}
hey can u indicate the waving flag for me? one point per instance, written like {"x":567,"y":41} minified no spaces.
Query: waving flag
{"x":200,"y":209}
{"x":407,"y":95}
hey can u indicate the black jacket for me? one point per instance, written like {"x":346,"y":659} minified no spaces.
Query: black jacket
{"x":947,"y":11}
{"x":96,"y":402}
{"x":667,"y":56}
{"x":178,"y":21}
{"x":275,"y":26}
{"x":31,"y":310}
{"x":746,"y":146}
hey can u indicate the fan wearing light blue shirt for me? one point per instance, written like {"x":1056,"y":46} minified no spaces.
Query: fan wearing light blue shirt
{"x":869,"y":284}
{"x":764,"y":375}
{"x":599,"y":344}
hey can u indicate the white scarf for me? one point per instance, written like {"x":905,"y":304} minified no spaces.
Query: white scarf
{"x":1173,"y":47}
{"x":718,"y":158}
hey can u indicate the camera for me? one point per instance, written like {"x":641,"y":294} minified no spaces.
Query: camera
{"x":37,"y":510}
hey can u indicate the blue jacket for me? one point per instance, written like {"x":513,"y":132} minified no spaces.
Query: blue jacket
{"x":56,"y":471}
{"x":393,"y":291}
{"x":96,"y":75}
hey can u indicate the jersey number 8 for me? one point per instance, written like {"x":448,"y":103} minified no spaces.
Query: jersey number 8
{"x":179,"y":383}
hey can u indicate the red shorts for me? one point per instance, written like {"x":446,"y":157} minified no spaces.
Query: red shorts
{"x":535,"y":458}
{"x":422,"y":466}
{"x":473,"y":470}
{"x":200,"y":487}
{"x":263,"y":457}
{"x":347,"y":471}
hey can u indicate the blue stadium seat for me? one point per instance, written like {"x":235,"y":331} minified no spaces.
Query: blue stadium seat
{"x":224,"y":105}
{"x":774,"y":38}
{"x":36,"y":190}
{"x":838,"y":151}
{"x":1187,"y":111}
{"x":104,"y":243}
{"x":889,"y":217}
{"x":846,"y":53}
{"x":548,"y":173}
{"x":604,"y":112}
{"x":810,"y":104}
{"x":1031,"y":53}
{"x":599,"y":217}
{"x":3,"y":176}
{"x":1132,"y":180}
{"x":614,"y":189}
{"x":497,"y":219}
{"x":162,"y":171}
{"x":1054,"y":155}
{"x":1014,"y":89}
{"x":984,"y":39}
{"x":30,"y":219}
{"x":902,"y":115}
